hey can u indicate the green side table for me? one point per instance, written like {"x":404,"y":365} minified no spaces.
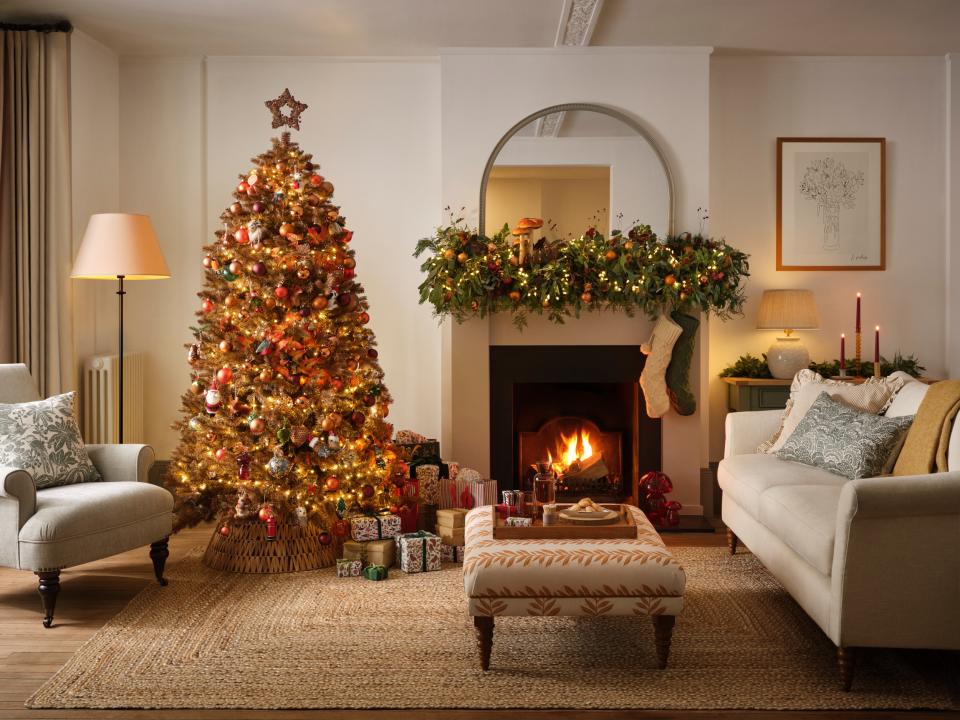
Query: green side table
{"x":757,"y":393}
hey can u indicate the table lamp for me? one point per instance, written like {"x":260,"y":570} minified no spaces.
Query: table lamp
{"x":787,"y":310}
{"x":120,"y":246}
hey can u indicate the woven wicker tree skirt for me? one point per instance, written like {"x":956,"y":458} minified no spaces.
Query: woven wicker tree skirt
{"x":247,"y":550}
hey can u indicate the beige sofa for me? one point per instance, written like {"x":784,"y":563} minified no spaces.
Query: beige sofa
{"x":875,"y":562}
{"x":54,"y":528}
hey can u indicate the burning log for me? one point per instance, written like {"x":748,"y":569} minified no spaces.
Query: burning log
{"x":589,"y":468}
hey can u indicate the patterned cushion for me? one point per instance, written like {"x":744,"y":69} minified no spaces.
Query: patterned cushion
{"x":844,"y":440}
{"x":42,"y":438}
{"x":873,"y":395}
{"x":570,"y":577}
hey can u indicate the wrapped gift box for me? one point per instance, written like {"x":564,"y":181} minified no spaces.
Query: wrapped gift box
{"x":467,"y":491}
{"x":374,"y":527}
{"x":452,"y":517}
{"x":375,"y":572}
{"x":372,"y":552}
{"x":428,"y":476}
{"x":427,"y":518}
{"x":451,"y":536}
{"x":348,"y":568}
{"x":519,"y":522}
{"x":419,"y":552}
{"x":451,"y":553}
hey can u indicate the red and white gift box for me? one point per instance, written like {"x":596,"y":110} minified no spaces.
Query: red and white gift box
{"x":452,"y":553}
{"x":467,"y":492}
{"x":374,"y":527}
{"x":419,"y":552}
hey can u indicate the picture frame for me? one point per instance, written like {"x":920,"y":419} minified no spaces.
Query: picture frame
{"x":831,"y":203}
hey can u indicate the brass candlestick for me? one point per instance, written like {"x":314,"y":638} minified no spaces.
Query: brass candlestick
{"x":859,"y":366}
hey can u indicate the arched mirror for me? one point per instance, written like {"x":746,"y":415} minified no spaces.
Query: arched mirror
{"x":577,"y":166}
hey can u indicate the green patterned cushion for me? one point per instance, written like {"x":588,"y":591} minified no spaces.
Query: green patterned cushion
{"x":844,"y":440}
{"x":42,"y":438}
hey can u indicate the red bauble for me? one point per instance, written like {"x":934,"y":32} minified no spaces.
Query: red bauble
{"x":225,"y":530}
{"x":241,"y":235}
{"x":258,"y":207}
{"x":346,"y":236}
{"x":369,"y":400}
{"x":394,"y":509}
{"x":207,"y":305}
{"x":341,"y":528}
{"x":337,"y":384}
{"x":344,"y":299}
{"x":331,"y":484}
{"x":243,"y":187}
{"x":357,"y":418}
{"x":225,"y":346}
{"x":363,"y":318}
{"x":373,"y":354}
{"x":320,"y":303}
{"x":224,"y":375}
{"x":266,"y":511}
{"x":281,"y":292}
{"x":316,"y":180}
{"x":257,"y":426}
{"x":348,"y":273}
{"x":221,"y":454}
{"x":366,"y":491}
{"x":325,"y":538}
{"x":236,"y":208}
{"x":258,"y":268}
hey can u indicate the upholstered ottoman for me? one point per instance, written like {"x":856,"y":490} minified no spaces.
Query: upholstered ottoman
{"x":570,"y":577}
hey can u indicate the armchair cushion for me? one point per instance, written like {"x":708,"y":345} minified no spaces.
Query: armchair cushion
{"x":42,"y":437}
{"x":74,"y":524}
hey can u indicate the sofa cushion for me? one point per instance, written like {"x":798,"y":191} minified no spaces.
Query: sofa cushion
{"x":42,"y":437}
{"x":908,"y":398}
{"x":747,"y":477}
{"x":79,"y":523}
{"x":805,"y":518}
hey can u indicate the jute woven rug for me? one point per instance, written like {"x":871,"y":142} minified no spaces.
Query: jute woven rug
{"x":311,"y":640}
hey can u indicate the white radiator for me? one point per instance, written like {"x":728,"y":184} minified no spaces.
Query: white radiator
{"x":100,"y":396}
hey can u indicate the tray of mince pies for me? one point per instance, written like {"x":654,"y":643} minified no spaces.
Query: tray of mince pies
{"x":582,"y":520}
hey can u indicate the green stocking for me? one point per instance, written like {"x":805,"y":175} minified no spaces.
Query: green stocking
{"x":682,"y":399}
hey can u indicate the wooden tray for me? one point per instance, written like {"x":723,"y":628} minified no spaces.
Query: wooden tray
{"x":625,"y":527}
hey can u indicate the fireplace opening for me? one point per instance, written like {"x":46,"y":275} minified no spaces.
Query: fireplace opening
{"x":578,"y":408}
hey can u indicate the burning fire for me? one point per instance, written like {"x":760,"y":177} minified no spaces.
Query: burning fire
{"x":572,"y":450}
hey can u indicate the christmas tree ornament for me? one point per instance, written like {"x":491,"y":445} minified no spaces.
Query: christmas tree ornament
{"x":325,"y":538}
{"x":271,"y":528}
{"x":366,"y":491}
{"x":195,"y":423}
{"x":225,"y":346}
{"x":283,"y":435}
{"x":255,"y":232}
{"x":243,"y":465}
{"x":279,"y":119}
{"x":258,"y":207}
{"x":207,"y":305}
{"x":257,"y":426}
{"x":258,"y":268}
{"x":265,"y":511}
{"x":221,"y":454}
{"x":196,"y":387}
{"x":299,"y":435}
{"x":224,"y":375}
{"x":341,"y":507}
{"x":333,"y":441}
{"x":341,"y":528}
{"x":301,"y":515}
{"x":225,"y":530}
{"x":212,"y":399}
{"x":331,"y":484}
{"x":278,"y":464}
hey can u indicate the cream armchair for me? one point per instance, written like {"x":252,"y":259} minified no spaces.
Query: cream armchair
{"x":48,"y":530}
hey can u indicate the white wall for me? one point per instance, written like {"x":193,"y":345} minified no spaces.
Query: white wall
{"x":484,"y":92}
{"x":95,"y":180}
{"x":952,"y":236}
{"x":755,"y":100}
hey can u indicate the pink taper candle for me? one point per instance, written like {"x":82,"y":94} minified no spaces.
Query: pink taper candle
{"x":876,"y":345}
{"x":858,"y":312}
{"x":843,"y":351}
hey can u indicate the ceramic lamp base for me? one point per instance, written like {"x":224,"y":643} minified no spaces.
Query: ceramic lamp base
{"x":786,"y":357}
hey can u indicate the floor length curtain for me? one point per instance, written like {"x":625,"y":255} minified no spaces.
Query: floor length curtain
{"x":35,"y":212}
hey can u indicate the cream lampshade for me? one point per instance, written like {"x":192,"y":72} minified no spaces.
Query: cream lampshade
{"x":787,"y":310}
{"x":120,"y":246}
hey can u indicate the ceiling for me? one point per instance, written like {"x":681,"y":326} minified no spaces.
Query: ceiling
{"x":422,"y":27}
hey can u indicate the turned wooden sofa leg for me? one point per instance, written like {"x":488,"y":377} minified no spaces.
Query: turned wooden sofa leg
{"x":846,"y":662}
{"x":49,"y":587}
{"x":663,"y":633}
{"x":484,"y":629}
{"x":732,"y":541}
{"x":159,"y":552}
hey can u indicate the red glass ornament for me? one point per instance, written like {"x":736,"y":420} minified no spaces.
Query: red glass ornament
{"x":224,"y":375}
{"x":348,"y":273}
{"x":344,"y":299}
{"x":325,"y":538}
{"x":225,"y":530}
{"x":281,"y":292}
{"x":221,"y":454}
{"x":265,"y":512}
{"x":363,"y":318}
{"x":373,"y":354}
{"x":207,"y":305}
{"x":331,"y":484}
{"x":366,"y":491}
{"x":357,"y":418}
{"x":316,"y":180}
{"x":346,"y":236}
{"x":673,"y":513}
{"x":241,"y":235}
{"x":257,"y":426}
{"x":242,"y":187}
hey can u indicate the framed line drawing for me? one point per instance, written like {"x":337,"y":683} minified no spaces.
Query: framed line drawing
{"x":831,"y":203}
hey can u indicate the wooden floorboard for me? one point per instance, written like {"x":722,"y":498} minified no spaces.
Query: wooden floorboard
{"x":93,"y":593}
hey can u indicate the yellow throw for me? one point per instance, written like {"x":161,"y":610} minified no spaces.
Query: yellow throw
{"x":925,"y":449}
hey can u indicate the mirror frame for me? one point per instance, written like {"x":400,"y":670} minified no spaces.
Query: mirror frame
{"x":567,"y":107}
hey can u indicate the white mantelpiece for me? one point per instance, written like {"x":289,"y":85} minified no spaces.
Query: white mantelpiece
{"x":484,"y":92}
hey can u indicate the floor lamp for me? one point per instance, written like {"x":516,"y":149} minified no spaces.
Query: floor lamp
{"x":120,"y":246}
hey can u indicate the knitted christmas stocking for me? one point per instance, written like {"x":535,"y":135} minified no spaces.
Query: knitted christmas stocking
{"x":658,"y":350}
{"x":682,"y":399}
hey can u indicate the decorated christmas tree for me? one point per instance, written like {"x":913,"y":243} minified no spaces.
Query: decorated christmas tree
{"x":283,"y":423}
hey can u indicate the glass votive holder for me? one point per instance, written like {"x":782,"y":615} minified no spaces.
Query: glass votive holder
{"x":550,"y":514}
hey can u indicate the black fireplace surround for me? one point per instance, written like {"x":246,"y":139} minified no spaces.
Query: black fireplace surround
{"x":530,"y":385}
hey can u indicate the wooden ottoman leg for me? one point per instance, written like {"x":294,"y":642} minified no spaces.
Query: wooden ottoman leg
{"x":483,"y":625}
{"x":49,"y":587}
{"x":663,"y":633}
{"x":732,"y":541}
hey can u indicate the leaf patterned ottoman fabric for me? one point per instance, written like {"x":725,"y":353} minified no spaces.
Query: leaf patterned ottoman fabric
{"x":842,"y":440}
{"x":570,"y":577}
{"x":42,"y":438}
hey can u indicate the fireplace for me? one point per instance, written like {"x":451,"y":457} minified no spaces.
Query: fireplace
{"x":578,"y":407}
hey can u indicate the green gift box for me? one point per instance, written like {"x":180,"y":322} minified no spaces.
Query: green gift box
{"x":375,"y":572}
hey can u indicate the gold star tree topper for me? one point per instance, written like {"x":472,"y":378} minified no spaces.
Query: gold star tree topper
{"x":286,"y":100}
